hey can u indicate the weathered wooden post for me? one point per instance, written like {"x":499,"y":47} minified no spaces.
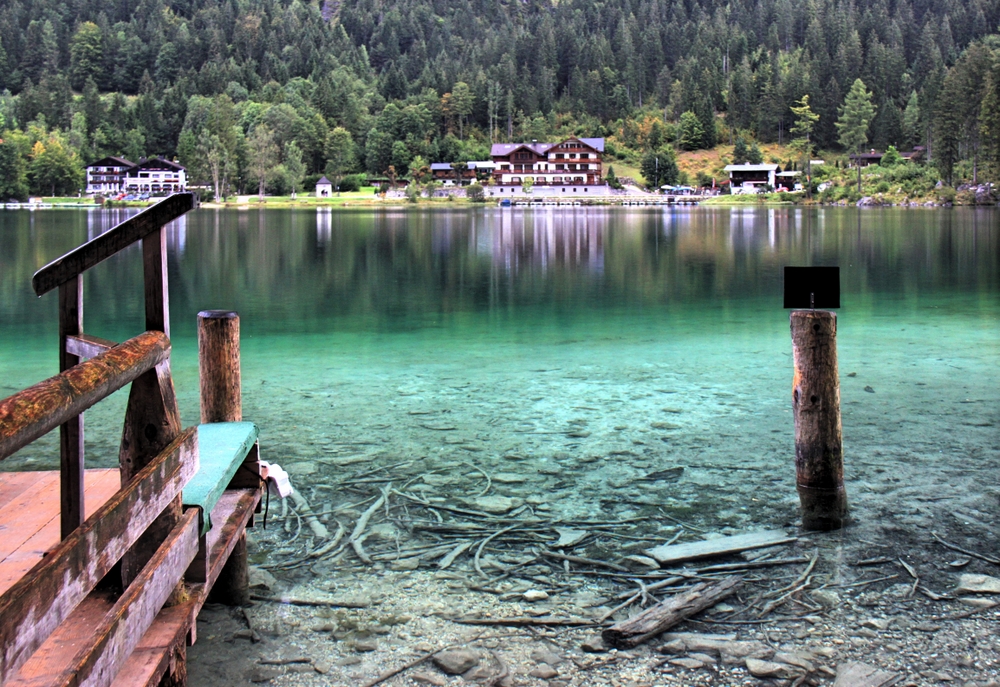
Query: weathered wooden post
{"x":819,"y":450}
{"x":221,"y":401}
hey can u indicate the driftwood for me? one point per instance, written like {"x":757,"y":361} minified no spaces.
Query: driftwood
{"x":664,"y":615}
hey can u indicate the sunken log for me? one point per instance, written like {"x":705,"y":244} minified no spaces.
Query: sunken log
{"x":667,"y":613}
{"x":29,"y":414}
{"x":819,"y":450}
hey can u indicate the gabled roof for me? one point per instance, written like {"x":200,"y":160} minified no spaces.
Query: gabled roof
{"x":505,"y":149}
{"x":157,"y":163}
{"x":323,"y":181}
{"x":441,"y":166}
{"x":476,"y":164}
{"x":752,"y":168}
{"x":595,"y":143}
{"x":112,"y":161}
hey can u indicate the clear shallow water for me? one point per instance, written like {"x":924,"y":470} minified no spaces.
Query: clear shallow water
{"x":573,"y":351}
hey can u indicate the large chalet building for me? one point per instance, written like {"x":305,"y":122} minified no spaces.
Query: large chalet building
{"x":155,"y":176}
{"x":571,"y":163}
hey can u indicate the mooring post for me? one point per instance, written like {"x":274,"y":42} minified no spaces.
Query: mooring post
{"x":819,"y":450}
{"x":221,"y":401}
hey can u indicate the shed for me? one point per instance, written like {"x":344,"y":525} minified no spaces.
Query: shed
{"x":324,"y":188}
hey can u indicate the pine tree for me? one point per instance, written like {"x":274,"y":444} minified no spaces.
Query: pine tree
{"x":805,"y":122}
{"x":856,"y":114}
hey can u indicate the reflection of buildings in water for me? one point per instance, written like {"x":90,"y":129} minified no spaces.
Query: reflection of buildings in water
{"x":544,"y":238}
{"x":177,"y":234}
{"x":324,"y":225}
{"x":99,"y":221}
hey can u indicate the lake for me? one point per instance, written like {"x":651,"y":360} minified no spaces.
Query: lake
{"x":557,"y":365}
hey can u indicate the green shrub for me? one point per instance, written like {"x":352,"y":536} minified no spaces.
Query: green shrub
{"x":882,"y":186}
{"x":412,"y":192}
{"x":352,"y":183}
{"x":476,"y":193}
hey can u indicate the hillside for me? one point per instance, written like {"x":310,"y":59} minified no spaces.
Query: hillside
{"x":359,"y":85}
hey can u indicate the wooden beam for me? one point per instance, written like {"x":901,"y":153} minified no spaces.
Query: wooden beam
{"x":152,"y":421}
{"x":154,"y":273}
{"x":31,"y":413}
{"x":106,"y":647}
{"x":107,"y":244}
{"x":71,"y":453}
{"x":86,"y":346}
{"x":36,"y":604}
{"x":162,"y":648}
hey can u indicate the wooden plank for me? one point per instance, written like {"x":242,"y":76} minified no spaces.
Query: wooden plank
{"x":13,"y":484}
{"x":63,"y":644}
{"x":35,"y":411}
{"x":231,"y":515}
{"x":87,"y":346}
{"x":99,"y":486}
{"x":678,"y":553}
{"x":36,"y":604}
{"x":107,"y":244}
{"x":105,"y":646}
{"x":154,"y":273}
{"x":664,"y":615}
{"x":29,"y":512}
{"x":71,"y":451}
{"x":163,"y":642}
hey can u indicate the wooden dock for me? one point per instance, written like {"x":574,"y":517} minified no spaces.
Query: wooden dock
{"x":103,"y":572}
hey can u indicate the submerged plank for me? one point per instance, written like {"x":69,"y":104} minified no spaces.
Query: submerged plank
{"x":679,"y":553}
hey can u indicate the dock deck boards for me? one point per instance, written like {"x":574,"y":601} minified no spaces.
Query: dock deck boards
{"x":29,"y":515}
{"x":29,"y":526}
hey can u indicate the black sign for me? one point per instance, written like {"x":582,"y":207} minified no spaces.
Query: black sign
{"x":812,"y":287}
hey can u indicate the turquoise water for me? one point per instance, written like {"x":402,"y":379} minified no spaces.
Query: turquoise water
{"x":573,"y":351}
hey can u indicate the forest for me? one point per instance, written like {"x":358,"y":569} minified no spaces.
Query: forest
{"x":266,"y":95}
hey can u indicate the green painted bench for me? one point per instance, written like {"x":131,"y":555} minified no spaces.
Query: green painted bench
{"x":222,"y":449}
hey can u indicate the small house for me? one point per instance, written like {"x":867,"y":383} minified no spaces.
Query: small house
{"x":324,"y":188}
{"x":107,"y":175}
{"x":156,"y":176}
{"x":749,"y":178}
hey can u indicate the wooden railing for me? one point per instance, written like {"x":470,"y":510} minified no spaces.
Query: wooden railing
{"x":66,"y":274}
{"x":143,"y":520}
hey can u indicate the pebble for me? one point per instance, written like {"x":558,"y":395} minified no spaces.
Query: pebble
{"x":456,"y":661}
{"x":689,"y":663}
{"x":533,"y":595}
{"x":423,"y":647}
{"x":322,"y":667}
{"x":544,"y":671}
{"x":365,"y":645}
{"x":546,"y":656}
{"x":262,"y":579}
{"x":429,"y":679}
{"x":265,"y":674}
{"x":978,"y":584}
{"x":349,"y":661}
{"x":760,"y":668}
{"x":593,"y":645}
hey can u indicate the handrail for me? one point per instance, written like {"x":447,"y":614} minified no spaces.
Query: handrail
{"x":84,"y":257}
{"x":37,"y":410}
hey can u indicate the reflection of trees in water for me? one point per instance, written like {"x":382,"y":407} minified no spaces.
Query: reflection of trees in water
{"x":389,"y":269}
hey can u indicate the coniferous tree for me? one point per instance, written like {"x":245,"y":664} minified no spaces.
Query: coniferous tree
{"x":855,"y":116}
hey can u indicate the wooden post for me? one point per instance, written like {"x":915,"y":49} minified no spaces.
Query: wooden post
{"x":71,"y":432}
{"x":221,"y":401}
{"x":219,"y":366}
{"x":819,"y":451}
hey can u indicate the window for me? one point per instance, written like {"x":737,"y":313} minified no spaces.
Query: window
{"x":560,"y":156}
